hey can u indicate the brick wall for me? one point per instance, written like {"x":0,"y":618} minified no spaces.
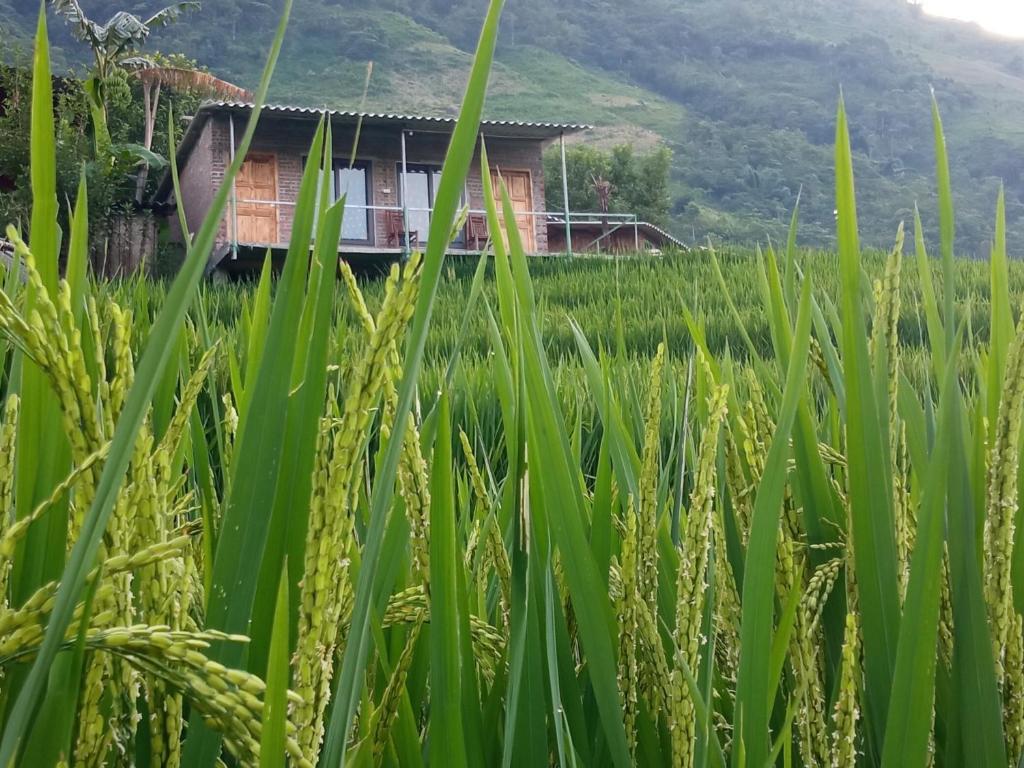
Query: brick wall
{"x":509,"y":155}
{"x":290,"y":166}
{"x":198,"y":184}
{"x":289,"y":140}
{"x":220,"y":160}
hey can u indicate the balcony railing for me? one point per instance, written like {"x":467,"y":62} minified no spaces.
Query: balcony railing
{"x":611,"y":223}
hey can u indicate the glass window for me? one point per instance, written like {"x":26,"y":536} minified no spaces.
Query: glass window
{"x":354,"y":183}
{"x":421,"y":186}
{"x":419,"y":200}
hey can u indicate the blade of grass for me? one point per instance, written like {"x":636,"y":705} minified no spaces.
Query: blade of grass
{"x":172,"y":162}
{"x":154,"y":359}
{"x":947,"y":223}
{"x":974,"y":681}
{"x":869,"y":467}
{"x":258,"y":327}
{"x":456,"y":167}
{"x":564,"y":747}
{"x":758,"y":601}
{"x":910,"y":713}
{"x":622,"y":448}
{"x":275,"y":700}
{"x":447,"y":741}
{"x":780,"y":642}
{"x":44,"y":232}
{"x":791,"y":266}
{"x":562,"y":489}
{"x":933,"y":319}
{"x":820,"y":504}
{"x":78,"y":251}
{"x":1001,"y":328}
{"x":42,"y":447}
{"x":525,"y":727}
{"x":308,"y":404}
{"x":308,"y":390}
{"x":248,"y":520}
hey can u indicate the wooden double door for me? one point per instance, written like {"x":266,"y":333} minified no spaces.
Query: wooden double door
{"x":256,"y":208}
{"x":520,"y":191}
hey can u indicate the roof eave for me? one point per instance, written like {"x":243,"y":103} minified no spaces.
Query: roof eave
{"x":510,"y":129}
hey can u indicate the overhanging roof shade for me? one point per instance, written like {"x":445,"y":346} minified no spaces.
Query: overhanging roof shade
{"x":509,"y":129}
{"x":652,"y":231}
{"x":502,"y":129}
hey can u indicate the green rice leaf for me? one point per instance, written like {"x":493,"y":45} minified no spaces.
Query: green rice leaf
{"x":447,"y":203}
{"x":44,"y":232}
{"x":980,"y":719}
{"x":910,"y":714}
{"x":869,"y":466}
{"x":275,"y":702}
{"x":936,"y":330}
{"x":154,"y":359}
{"x":947,"y":223}
{"x":78,"y":251}
{"x":561,"y":488}
{"x":42,"y":447}
{"x":447,"y":741}
{"x":753,"y":685}
{"x":525,"y":729}
{"x":1001,"y":330}
{"x":248,"y":521}
{"x":791,"y":265}
{"x":258,"y":326}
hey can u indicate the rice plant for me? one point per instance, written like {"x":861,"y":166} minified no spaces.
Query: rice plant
{"x":475,"y":518}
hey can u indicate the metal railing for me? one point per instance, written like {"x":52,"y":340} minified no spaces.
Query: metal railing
{"x":610,"y":222}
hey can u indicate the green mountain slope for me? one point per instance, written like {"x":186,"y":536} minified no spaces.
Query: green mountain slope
{"x":743,"y":91}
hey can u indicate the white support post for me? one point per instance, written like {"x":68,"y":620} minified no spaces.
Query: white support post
{"x":469,"y":207}
{"x":636,"y":232}
{"x":405,"y":200}
{"x":234,"y":190}
{"x":565,"y":196}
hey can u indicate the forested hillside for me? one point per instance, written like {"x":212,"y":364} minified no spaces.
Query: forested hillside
{"x":743,"y":92}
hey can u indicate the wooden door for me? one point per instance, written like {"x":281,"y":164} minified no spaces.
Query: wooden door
{"x":520,"y":190}
{"x":257,"y":181}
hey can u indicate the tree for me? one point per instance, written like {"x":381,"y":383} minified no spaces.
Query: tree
{"x":110,"y":186}
{"x":114,"y":45}
{"x":639,"y":182}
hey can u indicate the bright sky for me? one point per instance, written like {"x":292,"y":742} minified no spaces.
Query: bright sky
{"x":1005,"y":17}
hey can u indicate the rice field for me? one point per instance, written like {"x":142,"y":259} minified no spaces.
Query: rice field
{"x":736,"y":508}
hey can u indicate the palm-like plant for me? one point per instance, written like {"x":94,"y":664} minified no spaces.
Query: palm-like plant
{"x":114,"y":45}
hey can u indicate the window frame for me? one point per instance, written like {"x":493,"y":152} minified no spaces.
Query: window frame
{"x":367,"y":167}
{"x":431,"y":170}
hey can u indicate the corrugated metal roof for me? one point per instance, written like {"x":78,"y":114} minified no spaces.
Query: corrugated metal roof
{"x":664,"y":233}
{"x":514,"y":128}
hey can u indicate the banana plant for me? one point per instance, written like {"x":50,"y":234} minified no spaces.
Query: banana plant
{"x":115,"y":45}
